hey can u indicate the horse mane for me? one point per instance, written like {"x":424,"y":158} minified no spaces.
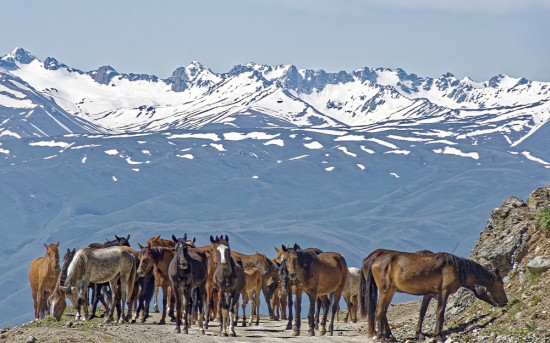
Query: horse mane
{"x":465,"y":266}
{"x":157,"y":253}
{"x":77,"y":265}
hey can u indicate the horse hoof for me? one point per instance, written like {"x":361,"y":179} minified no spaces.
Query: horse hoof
{"x":322,"y":332}
{"x":201,"y":331}
{"x":295,"y":333}
{"x":311,"y":333}
{"x":330,"y":333}
{"x":162,"y":322}
{"x":233,"y":334}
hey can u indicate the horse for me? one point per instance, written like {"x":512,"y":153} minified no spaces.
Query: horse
{"x":118,"y":241}
{"x":98,"y":266}
{"x":97,"y":295}
{"x":268,"y":270}
{"x":479,"y":291}
{"x":158,"y":259}
{"x":251,"y":291}
{"x":143,"y":290}
{"x":351,"y":294}
{"x":212,"y":294}
{"x":229,"y":279}
{"x":438,"y":275}
{"x":57,"y":298}
{"x":156,"y":241}
{"x":188,"y":273}
{"x":318,"y":275}
{"x":43,"y":275}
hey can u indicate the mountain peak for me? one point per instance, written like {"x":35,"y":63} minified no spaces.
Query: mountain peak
{"x":17,"y":55}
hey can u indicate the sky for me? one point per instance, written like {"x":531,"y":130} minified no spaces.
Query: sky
{"x":474,"y":38}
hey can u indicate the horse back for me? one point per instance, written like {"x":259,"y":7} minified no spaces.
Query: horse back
{"x":333,"y":272}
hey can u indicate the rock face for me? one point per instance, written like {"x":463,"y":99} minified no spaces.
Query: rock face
{"x":539,"y":264}
{"x":511,"y":232}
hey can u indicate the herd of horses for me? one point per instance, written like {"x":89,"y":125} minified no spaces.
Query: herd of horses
{"x":205,"y":283}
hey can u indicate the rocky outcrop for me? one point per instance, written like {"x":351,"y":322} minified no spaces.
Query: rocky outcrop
{"x":512,"y":242}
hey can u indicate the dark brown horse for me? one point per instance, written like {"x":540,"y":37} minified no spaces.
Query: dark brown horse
{"x":158,"y":259}
{"x":43,"y":275}
{"x":229,"y":279}
{"x":432,"y":275}
{"x":118,"y":241}
{"x":318,"y":275}
{"x":187,"y":271}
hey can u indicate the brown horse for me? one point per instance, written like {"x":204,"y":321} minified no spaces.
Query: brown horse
{"x":318,"y":275}
{"x":43,"y":276}
{"x":229,"y":279}
{"x":438,"y":275}
{"x":267,"y":268}
{"x":158,"y":259}
{"x":251,"y":292}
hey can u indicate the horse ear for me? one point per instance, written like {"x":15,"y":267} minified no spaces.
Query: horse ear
{"x":296,"y":246}
{"x":57,"y":245}
{"x":185,"y":237}
{"x":276,"y":250}
{"x":174,"y":238}
{"x":194,"y":240}
{"x":212,"y":239}
{"x":141,"y":246}
{"x":68,"y":251}
{"x":45,"y":245}
{"x":117,"y":238}
{"x":128,"y":238}
{"x":283,"y":248}
{"x":226,"y":239}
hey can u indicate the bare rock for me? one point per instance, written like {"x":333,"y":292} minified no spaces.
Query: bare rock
{"x":538,"y":265}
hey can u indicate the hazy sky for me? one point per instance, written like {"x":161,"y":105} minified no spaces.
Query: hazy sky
{"x":476,"y":38}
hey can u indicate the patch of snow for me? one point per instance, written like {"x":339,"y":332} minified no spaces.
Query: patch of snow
{"x":9,"y":133}
{"x":454,"y":151}
{"x":398,"y":152}
{"x":350,"y":138}
{"x":187,"y":156}
{"x":362,"y":167}
{"x":297,"y":157}
{"x":112,"y":152}
{"x":528,"y":155}
{"x":51,"y":144}
{"x":238,"y":136}
{"x":384,"y":143}
{"x":313,"y":145}
{"x":394,"y":174}
{"x":367,"y":150}
{"x":345,"y":151}
{"x":211,"y":136}
{"x":278,"y":142}
{"x":218,"y":147}
{"x":329,"y":169}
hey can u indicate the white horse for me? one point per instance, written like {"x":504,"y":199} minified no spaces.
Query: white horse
{"x":101,"y":265}
{"x":350,"y":293}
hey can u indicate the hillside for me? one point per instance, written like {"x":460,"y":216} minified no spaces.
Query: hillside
{"x":513,"y":241}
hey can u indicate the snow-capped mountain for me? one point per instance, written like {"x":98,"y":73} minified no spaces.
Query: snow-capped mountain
{"x":348,"y":161}
{"x":194,"y":97}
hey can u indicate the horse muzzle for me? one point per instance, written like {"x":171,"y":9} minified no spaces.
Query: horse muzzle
{"x":140,"y":273}
{"x":183,"y":266}
{"x":292,"y":276}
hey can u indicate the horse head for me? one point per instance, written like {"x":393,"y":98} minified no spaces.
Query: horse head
{"x":145,"y":260}
{"x":182,"y":252}
{"x":496,"y":290}
{"x":291,"y":260}
{"x":52,"y":255}
{"x":123,"y":241}
{"x":223,"y":251}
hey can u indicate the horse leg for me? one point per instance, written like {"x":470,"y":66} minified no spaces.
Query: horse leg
{"x":311,"y":313}
{"x":267,"y":296}
{"x":354,"y":306}
{"x":233,"y":309}
{"x":223,"y":311}
{"x":318,"y":304}
{"x":257,"y":306}
{"x":95,"y":289}
{"x":156,"y":304}
{"x":244,"y":300}
{"x":201,"y":291}
{"x":423,"y":308}
{"x":440,"y":315}
{"x":35,"y":301}
{"x":384,"y":332}
{"x":290,"y":317}
{"x":164,"y":303}
{"x":325,"y":302}
{"x":334,"y":300}
{"x":178,"y":291}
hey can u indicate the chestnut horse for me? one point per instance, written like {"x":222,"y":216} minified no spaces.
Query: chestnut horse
{"x":251,"y":292}
{"x":229,"y":279}
{"x":43,"y":276}
{"x":158,"y":259}
{"x":438,"y":275}
{"x":318,"y":275}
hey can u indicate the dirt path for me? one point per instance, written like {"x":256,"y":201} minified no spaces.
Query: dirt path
{"x":403,"y":317}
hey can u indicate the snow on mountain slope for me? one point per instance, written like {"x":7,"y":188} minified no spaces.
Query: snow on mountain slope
{"x":194,"y":96}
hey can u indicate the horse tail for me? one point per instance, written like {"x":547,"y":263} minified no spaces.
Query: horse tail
{"x":368,"y":292}
{"x":131,"y":283}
